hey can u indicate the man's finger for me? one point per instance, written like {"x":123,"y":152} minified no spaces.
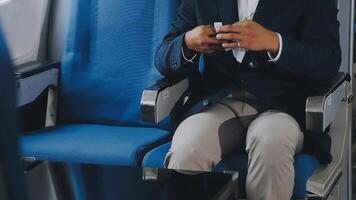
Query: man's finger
{"x":211,"y":41}
{"x":230,"y":29}
{"x":243,"y":23}
{"x":209,"y":51}
{"x":233,"y":45}
{"x":217,"y":47}
{"x":210,"y":30}
{"x":204,"y":48}
{"x":229,"y":36}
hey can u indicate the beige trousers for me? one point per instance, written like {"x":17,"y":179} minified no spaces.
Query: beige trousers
{"x":271,"y":140}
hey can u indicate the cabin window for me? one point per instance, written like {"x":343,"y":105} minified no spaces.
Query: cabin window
{"x":24,"y":23}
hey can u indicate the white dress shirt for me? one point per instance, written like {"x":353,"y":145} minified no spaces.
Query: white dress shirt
{"x":247,"y":9}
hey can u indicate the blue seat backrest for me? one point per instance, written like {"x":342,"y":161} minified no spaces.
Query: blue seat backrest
{"x":10,"y":169}
{"x":108,"y":58}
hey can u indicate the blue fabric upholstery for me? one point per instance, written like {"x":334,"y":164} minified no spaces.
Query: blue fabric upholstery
{"x":155,"y":158}
{"x":10,"y":169}
{"x":93,"y":144}
{"x":106,"y":64}
{"x":98,"y":182}
{"x":304,"y":166}
{"x":108,"y":59}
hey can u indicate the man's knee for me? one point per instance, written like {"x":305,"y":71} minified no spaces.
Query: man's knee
{"x":183,"y":155}
{"x":188,"y":157}
{"x":273,"y":137}
{"x":186,"y":152}
{"x":196,"y":142}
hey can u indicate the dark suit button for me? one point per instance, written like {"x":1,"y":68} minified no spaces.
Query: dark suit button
{"x":251,"y":64}
{"x":174,"y":66}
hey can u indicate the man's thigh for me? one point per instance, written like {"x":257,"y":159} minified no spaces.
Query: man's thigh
{"x":275,"y":127}
{"x":218,"y":130}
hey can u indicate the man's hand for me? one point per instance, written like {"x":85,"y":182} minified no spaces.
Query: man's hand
{"x":202,"y":39}
{"x":249,"y":35}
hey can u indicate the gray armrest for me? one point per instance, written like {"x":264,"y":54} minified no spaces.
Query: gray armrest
{"x":159,"y":100}
{"x":33,"y":80}
{"x":322,"y":107}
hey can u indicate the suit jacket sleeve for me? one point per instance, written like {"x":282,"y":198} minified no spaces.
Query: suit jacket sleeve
{"x":168,"y":58}
{"x":316,"y":53}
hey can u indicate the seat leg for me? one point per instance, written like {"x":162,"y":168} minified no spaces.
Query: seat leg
{"x":61,"y":181}
{"x":156,"y":174}
{"x":231,"y":190}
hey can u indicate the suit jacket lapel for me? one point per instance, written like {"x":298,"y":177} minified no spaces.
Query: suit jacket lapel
{"x":265,"y":11}
{"x":228,"y":11}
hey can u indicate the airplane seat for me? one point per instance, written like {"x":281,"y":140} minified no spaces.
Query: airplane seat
{"x":107,"y":62}
{"x":325,"y":113}
{"x":11,"y":175}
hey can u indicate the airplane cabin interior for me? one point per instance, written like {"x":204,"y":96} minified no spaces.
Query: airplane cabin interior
{"x":85,"y":115}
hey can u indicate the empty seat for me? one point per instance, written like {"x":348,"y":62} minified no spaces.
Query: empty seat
{"x":107,"y":63}
{"x":98,"y":144}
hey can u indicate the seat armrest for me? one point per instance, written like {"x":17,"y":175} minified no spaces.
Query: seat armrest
{"x":33,"y":80}
{"x":159,"y":100}
{"x":324,"y":102}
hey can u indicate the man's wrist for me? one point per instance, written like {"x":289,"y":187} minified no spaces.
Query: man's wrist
{"x":188,"y":52}
{"x":273,"y":44}
{"x":189,"y":59}
{"x":275,"y":57}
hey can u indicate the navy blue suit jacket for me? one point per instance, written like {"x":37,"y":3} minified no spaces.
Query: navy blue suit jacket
{"x":311,"y":52}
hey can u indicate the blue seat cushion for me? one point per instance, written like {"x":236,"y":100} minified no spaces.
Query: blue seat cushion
{"x":304,"y":167}
{"x":92,"y":144}
{"x":155,"y":158}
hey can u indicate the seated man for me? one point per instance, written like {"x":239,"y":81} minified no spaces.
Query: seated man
{"x":273,"y":51}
